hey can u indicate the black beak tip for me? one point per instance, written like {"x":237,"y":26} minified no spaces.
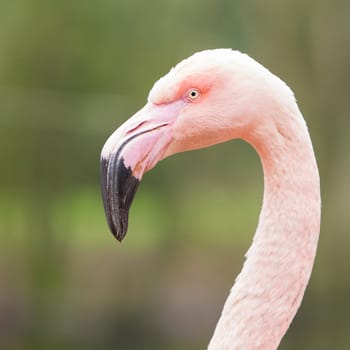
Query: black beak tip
{"x":118,"y":189}
{"x":118,"y":225}
{"x":119,"y":236}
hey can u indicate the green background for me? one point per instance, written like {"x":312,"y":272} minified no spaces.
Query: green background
{"x":70,"y":73}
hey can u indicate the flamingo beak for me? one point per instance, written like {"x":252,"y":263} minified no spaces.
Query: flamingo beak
{"x":133,"y":149}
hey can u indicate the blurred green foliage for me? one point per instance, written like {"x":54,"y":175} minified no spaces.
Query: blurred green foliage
{"x":70,"y":73}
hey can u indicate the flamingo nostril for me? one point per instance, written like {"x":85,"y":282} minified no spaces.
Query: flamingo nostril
{"x":133,"y":128}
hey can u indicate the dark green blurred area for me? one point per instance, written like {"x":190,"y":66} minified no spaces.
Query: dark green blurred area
{"x":70,"y":73}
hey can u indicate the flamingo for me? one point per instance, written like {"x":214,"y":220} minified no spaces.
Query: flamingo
{"x":212,"y":97}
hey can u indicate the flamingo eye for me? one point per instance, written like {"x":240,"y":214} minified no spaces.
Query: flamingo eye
{"x":193,"y":94}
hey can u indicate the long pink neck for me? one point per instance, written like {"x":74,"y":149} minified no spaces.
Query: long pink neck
{"x":271,"y":285}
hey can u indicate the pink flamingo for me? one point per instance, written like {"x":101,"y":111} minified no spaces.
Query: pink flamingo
{"x":212,"y":97}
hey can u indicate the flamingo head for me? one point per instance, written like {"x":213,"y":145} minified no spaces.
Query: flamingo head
{"x":211,"y":97}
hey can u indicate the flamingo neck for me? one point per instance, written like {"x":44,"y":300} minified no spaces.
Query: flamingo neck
{"x":269,"y":290}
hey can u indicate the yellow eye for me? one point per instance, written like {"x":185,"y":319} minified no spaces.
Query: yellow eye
{"x":193,"y":94}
